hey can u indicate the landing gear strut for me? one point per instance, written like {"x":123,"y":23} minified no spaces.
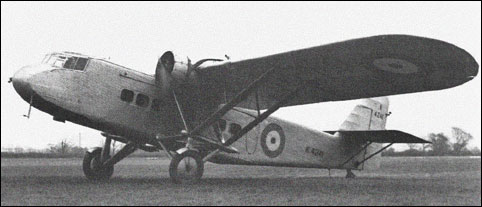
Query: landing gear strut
{"x":186,"y":167}
{"x":99,"y":165}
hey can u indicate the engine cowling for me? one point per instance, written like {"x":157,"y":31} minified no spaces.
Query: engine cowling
{"x":170,"y":72}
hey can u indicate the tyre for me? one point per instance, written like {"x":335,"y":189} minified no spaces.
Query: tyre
{"x":92,"y":166}
{"x":187,"y":167}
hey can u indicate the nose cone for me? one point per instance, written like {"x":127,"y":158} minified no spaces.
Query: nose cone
{"x":20,"y":81}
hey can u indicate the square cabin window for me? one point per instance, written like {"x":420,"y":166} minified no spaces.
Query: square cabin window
{"x":127,"y":95}
{"x":142,"y":100}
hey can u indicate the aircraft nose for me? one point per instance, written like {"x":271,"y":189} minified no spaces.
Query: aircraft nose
{"x":20,"y":81}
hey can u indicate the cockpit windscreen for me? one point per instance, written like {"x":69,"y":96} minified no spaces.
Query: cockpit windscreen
{"x":65,"y":61}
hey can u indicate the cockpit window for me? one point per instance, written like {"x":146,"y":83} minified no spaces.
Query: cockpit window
{"x":70,"y":63}
{"x":80,"y":65}
{"x":59,"y":61}
{"x":51,"y":60}
{"x":67,"y":62}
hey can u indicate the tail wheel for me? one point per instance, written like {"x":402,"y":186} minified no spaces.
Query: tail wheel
{"x":92,"y":166}
{"x":350,"y":174}
{"x":187,"y":167}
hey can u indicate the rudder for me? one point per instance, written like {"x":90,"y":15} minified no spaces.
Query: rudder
{"x":370,"y":114}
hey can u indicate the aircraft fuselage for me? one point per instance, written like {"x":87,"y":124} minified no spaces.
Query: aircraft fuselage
{"x":120,"y":101}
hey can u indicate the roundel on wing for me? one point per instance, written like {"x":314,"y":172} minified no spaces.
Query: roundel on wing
{"x":272,"y":140}
{"x":395,"y":65}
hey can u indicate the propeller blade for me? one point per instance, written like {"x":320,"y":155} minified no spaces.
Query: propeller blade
{"x":164,"y":68}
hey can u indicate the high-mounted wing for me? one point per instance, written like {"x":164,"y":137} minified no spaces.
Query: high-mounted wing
{"x":359,"y":68}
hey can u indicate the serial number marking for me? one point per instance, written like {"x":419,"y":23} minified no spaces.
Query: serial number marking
{"x":315,"y":152}
{"x":379,"y":115}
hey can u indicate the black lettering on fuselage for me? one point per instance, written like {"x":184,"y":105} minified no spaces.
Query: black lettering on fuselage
{"x":379,"y":115}
{"x":314,"y":151}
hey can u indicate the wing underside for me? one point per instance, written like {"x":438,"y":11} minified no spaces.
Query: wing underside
{"x":360,"y":68}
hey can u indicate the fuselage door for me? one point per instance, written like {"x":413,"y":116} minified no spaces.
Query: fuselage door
{"x":235,"y":121}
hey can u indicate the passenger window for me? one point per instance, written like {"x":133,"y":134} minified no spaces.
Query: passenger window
{"x":156,"y":105}
{"x":81,"y":62}
{"x":234,"y":128}
{"x":127,"y":95}
{"x":142,"y":100}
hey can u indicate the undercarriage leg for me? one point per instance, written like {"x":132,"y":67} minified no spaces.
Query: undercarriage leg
{"x":124,"y":152}
{"x":165,"y":149}
{"x":106,"y":149}
{"x":95,"y":168}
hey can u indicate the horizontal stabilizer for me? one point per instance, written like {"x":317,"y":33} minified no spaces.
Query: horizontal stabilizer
{"x":380,"y":136}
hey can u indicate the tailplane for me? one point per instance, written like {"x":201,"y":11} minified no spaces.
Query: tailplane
{"x":364,"y":132}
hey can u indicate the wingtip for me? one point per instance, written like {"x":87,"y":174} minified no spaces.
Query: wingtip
{"x":474,"y":70}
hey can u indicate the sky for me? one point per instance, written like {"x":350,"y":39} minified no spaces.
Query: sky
{"x":135,"y":34}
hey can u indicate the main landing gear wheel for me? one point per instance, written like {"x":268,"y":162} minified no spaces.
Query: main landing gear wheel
{"x":92,"y":166}
{"x":187,"y":167}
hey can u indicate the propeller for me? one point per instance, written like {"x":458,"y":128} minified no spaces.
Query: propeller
{"x":166,"y":79}
{"x":164,"y":68}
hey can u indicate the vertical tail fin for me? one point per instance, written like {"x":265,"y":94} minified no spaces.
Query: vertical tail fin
{"x":370,"y":114}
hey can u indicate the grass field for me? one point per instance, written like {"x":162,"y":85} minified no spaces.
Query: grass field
{"x":141,"y":181}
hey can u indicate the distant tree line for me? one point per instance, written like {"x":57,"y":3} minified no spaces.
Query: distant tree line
{"x":441,"y":146}
{"x":65,"y":149}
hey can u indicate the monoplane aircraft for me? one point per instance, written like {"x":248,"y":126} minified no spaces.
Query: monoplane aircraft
{"x":221,"y":112}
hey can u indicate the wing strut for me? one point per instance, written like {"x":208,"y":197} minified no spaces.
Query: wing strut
{"x":253,"y":124}
{"x":262,"y":117}
{"x":235,"y":101}
{"x":220,"y":112}
{"x":180,"y":111}
{"x":223,"y":110}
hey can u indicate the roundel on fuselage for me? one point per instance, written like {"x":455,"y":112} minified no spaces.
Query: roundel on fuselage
{"x":272,"y":140}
